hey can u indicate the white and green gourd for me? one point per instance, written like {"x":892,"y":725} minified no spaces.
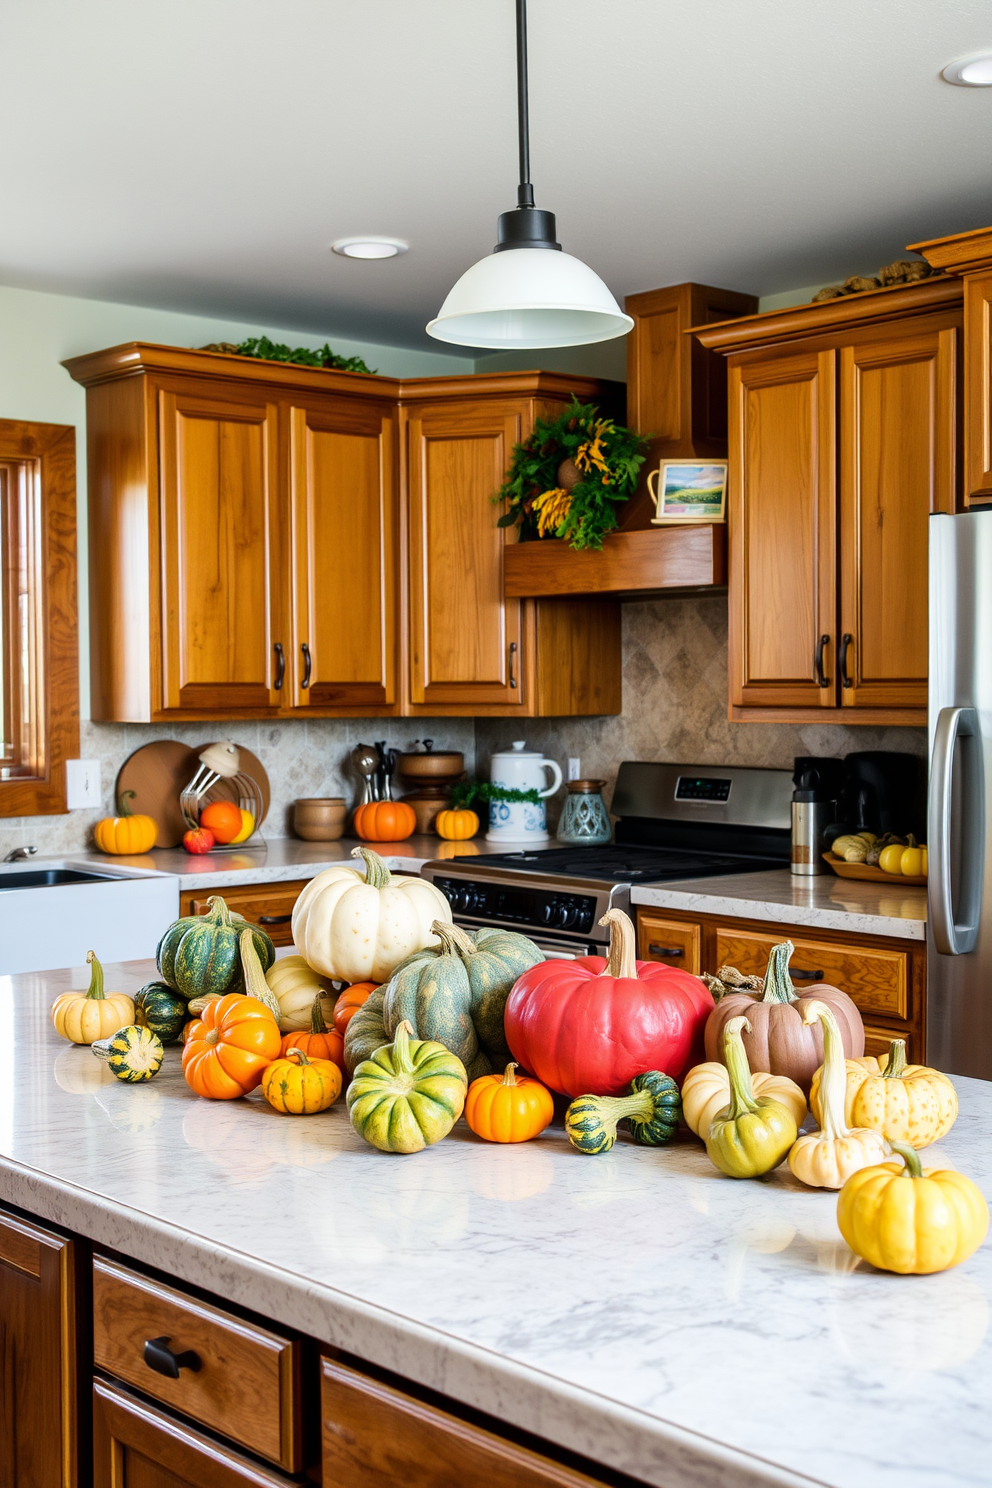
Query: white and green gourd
{"x":134,"y":1054}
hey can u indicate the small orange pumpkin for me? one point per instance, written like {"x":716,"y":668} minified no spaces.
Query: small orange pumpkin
{"x":501,"y":1108}
{"x":384,"y":821}
{"x":320,"y":1043}
{"x":229,"y":1046}
{"x":456,"y":825}
{"x":350,"y":1000}
{"x":125,"y":833}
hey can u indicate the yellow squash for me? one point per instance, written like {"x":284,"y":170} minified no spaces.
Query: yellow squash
{"x":300,"y":1086}
{"x":912,"y":1220}
{"x":749,"y":1136}
{"x":905,"y":1102}
{"x":84,"y":1017}
{"x":706,"y":1090}
{"x":826,"y":1158}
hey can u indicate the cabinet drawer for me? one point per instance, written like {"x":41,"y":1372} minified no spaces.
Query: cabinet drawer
{"x":877,"y":1040}
{"x":876,"y":979}
{"x":268,"y":905}
{"x":670,"y":942}
{"x":374,"y":1435}
{"x":247,"y":1384}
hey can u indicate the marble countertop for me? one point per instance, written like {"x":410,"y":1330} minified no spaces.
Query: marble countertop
{"x":636,"y":1307}
{"x":825,"y":901}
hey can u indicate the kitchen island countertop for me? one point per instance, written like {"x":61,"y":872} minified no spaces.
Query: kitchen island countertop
{"x":636,"y":1307}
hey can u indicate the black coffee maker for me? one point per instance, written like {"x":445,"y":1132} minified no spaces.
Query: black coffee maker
{"x":879,"y":790}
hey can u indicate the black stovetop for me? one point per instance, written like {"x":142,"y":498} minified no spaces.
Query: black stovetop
{"x":619,"y":863}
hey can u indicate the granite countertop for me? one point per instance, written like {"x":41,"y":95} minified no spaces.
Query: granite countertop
{"x":286,"y":858}
{"x":636,"y":1307}
{"x":824,"y":901}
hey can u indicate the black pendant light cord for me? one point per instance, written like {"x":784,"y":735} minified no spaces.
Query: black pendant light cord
{"x":525,"y":191}
{"x":526,"y":226}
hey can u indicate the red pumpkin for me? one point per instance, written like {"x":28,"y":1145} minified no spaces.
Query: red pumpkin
{"x":588,"y":1026}
{"x":384,"y":821}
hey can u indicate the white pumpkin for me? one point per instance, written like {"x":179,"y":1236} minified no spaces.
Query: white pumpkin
{"x":359,"y":929}
{"x":294,"y":985}
{"x":706,"y":1090}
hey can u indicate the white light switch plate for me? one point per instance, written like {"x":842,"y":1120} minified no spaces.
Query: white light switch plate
{"x":574,"y":769}
{"x":82,"y":784}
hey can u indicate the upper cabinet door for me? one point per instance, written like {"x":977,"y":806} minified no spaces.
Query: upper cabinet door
{"x":465,"y":637}
{"x":220,"y":592}
{"x":783,"y":525}
{"x":897,"y":463}
{"x":978,"y":385}
{"x":345,"y":536}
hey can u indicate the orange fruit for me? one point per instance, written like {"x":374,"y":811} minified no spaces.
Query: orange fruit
{"x":222,"y":818}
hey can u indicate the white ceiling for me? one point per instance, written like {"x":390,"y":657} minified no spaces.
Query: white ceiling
{"x":203,"y":154}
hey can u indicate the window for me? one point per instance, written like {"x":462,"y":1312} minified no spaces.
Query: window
{"x":39,"y":688}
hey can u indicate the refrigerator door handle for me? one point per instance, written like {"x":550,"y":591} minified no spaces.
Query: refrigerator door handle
{"x":955,"y":936}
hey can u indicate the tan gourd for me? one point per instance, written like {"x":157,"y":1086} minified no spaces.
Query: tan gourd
{"x":706,"y":1090}
{"x":827,"y":1158}
{"x":84,"y":1017}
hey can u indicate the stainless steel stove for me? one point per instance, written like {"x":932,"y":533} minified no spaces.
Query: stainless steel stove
{"x":676,"y":822}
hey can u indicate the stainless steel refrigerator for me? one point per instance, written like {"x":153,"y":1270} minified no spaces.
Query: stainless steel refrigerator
{"x":959,"y":923}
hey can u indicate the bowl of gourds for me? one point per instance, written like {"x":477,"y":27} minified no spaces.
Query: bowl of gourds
{"x":887,"y":859}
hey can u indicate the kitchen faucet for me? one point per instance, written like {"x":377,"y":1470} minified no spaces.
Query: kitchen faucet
{"x":19,"y":853}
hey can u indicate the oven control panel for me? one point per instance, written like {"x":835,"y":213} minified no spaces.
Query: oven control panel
{"x":502,"y":904}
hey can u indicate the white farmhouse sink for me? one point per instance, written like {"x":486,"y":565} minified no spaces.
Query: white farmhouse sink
{"x":54,"y":910}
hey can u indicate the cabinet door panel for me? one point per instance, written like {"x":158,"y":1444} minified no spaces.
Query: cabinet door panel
{"x":783,"y":530}
{"x":344,"y":537}
{"x":220,"y":592}
{"x":465,"y":636}
{"x":978,"y":385}
{"x":671,"y":941}
{"x":897,"y":466}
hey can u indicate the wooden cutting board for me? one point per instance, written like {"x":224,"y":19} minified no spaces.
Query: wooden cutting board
{"x":159,"y":772}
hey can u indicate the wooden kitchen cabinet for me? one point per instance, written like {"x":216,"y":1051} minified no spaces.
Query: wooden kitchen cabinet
{"x":269,"y":905}
{"x":843,"y":423}
{"x":44,"y":1438}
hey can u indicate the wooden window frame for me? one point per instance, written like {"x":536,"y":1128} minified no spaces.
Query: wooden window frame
{"x":46,"y":453}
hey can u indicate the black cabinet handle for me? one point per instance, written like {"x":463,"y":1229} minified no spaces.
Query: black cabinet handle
{"x":513,"y":657}
{"x":280,"y":665}
{"x":160,"y":1357}
{"x":845,"y":642}
{"x":822,"y":643}
{"x":660,"y":950}
{"x":799,"y":975}
{"x":307,"y":666}
{"x":274,"y":919}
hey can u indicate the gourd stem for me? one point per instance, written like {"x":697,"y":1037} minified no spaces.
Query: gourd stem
{"x":317,"y":1024}
{"x":453,"y":940}
{"x":742,"y":1101}
{"x":778,"y":983}
{"x":611,"y":1109}
{"x":833,"y":1081}
{"x":377,"y":875}
{"x":402,"y":1063}
{"x":509,"y":1075}
{"x":910,"y":1156}
{"x":297,"y":1054}
{"x":96,"y":977}
{"x":255,"y":984}
{"x":620,"y":962}
{"x":896,"y":1065}
{"x":122,"y":805}
{"x":218,"y":910}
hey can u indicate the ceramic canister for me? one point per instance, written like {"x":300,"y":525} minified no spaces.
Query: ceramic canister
{"x":520,"y":768}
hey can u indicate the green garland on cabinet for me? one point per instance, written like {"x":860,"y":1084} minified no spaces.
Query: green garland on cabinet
{"x":265,"y":350}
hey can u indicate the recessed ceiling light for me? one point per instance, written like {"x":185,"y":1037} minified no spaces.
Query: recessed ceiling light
{"x":369,"y":247}
{"x":970,"y":72}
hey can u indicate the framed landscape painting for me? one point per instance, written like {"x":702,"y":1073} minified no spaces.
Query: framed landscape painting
{"x":684,"y":492}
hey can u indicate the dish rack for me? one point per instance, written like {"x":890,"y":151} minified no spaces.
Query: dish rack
{"x":222,"y":761}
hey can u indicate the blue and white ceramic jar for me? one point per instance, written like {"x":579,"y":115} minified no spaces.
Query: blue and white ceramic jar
{"x":584,"y":821}
{"x":521,"y":769}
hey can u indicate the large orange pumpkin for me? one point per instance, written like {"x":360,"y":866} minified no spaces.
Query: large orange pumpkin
{"x":384,"y":821}
{"x":320,"y":1043}
{"x":228,"y":1048}
{"x":348,"y":1003}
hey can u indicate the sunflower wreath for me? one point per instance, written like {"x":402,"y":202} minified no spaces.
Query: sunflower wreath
{"x":567,"y":479}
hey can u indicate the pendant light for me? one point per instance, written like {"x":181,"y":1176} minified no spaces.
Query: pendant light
{"x":528,"y":293}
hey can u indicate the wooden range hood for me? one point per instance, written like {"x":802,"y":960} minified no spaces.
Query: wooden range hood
{"x":677,"y":395}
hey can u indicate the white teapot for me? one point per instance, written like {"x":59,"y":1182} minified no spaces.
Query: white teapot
{"x":520,"y":768}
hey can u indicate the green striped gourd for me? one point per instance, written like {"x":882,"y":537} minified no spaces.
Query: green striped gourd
{"x":133,"y":1054}
{"x":162,"y":1010}
{"x":408,"y":1095}
{"x":200,"y":954}
{"x":651,"y":1109}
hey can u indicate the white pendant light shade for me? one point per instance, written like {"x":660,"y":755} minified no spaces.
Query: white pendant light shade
{"x":530,"y":297}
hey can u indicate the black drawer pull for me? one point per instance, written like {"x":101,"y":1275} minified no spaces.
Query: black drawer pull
{"x":274,"y":919}
{"x":160,"y":1357}
{"x":798,"y":975}
{"x":660,"y":950}
{"x":307,"y":666}
{"x":280,"y":665}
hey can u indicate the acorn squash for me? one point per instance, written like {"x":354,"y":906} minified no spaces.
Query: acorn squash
{"x":409,"y":1095}
{"x":163,"y":1011}
{"x":199,"y":954}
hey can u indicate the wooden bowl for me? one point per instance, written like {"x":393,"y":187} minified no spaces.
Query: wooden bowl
{"x":319,"y":818}
{"x":441,"y":768}
{"x":870,"y":875}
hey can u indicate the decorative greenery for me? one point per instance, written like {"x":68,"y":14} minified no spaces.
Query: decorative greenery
{"x":274,"y":351}
{"x":568,"y":477}
{"x":467,"y":791}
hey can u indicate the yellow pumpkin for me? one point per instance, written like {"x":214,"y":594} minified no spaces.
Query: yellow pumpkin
{"x":827,"y":1158}
{"x":295,"y":984}
{"x":457,"y":824}
{"x":125,"y":833}
{"x":912,"y":1220}
{"x":300,"y":1086}
{"x":84,"y":1017}
{"x":706,"y":1090}
{"x":905,"y":1102}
